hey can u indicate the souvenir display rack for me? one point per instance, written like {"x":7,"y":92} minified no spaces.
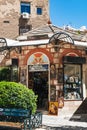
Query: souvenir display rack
{"x":72,"y":88}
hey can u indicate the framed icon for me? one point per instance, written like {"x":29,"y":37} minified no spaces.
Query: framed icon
{"x":52,"y":93}
{"x":53,"y":108}
{"x":71,"y":79}
{"x":60,"y":102}
{"x":74,"y":85}
{"x":60,"y":75}
{"x":52,"y":71}
{"x":76,"y":79}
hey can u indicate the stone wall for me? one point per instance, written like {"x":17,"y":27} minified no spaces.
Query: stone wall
{"x":10,"y":16}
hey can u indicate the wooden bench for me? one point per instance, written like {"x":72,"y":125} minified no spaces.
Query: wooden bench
{"x":10,"y":117}
{"x":19,"y":119}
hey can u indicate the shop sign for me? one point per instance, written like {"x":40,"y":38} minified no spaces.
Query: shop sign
{"x":73,"y":59}
{"x":38,"y":37}
{"x":38,"y":67}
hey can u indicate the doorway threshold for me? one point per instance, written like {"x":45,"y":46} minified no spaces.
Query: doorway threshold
{"x":44,"y":112}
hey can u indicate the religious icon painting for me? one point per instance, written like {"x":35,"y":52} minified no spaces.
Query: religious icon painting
{"x":53,"y":108}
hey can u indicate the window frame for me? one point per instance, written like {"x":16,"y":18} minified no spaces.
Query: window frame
{"x":39,"y":10}
{"x":25,"y":7}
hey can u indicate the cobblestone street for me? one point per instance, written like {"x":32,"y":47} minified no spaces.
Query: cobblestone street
{"x":62,"y":128}
{"x":58,"y":123}
{"x":52,"y":128}
{"x":61,"y":123}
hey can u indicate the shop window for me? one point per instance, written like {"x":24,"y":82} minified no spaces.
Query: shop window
{"x":25,"y":7}
{"x":72,"y":82}
{"x":39,"y":11}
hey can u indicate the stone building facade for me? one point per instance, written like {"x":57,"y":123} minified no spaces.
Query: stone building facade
{"x":55,"y":69}
{"x":12,"y":22}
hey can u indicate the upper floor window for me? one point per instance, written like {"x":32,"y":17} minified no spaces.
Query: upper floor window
{"x":39,"y":11}
{"x":25,"y":7}
{"x":23,"y":29}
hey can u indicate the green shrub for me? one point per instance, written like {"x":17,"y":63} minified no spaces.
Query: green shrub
{"x":16,"y":95}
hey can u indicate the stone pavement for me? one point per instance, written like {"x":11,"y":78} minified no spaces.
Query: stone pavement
{"x":61,"y":123}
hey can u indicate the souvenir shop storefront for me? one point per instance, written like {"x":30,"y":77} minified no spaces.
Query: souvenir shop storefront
{"x":57,"y":78}
{"x":56,"y":72}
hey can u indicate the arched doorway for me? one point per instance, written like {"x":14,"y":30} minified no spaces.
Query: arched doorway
{"x":38,"y":78}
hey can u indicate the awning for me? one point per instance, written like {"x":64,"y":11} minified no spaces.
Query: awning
{"x":79,"y":43}
{"x":29,"y":43}
{"x":14,"y":43}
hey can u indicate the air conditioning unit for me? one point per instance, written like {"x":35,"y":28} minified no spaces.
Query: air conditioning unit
{"x":25,"y":15}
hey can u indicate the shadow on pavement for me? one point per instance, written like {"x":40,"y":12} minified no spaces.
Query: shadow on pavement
{"x":81,"y":113}
{"x":10,"y":128}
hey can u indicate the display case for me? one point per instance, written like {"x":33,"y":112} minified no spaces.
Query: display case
{"x":72,"y":88}
{"x":72,"y":82}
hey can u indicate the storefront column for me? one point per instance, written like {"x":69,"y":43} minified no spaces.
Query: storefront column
{"x":84,"y":81}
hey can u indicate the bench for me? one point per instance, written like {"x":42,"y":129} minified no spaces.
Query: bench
{"x":34,"y":122}
{"x":19,"y":118}
{"x":11,"y":117}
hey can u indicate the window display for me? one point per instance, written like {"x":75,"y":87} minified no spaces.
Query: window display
{"x":72,"y":82}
